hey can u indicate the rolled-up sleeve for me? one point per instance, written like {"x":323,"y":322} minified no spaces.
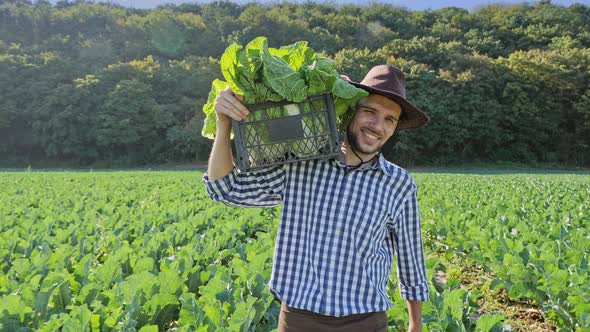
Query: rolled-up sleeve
{"x":407,"y":236}
{"x":260,"y":188}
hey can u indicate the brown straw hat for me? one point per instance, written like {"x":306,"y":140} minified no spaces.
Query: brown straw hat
{"x":390,"y":82}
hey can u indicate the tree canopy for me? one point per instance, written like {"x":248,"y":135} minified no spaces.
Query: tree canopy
{"x":86,"y":83}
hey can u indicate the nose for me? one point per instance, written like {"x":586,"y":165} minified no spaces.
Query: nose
{"x":377,"y":124}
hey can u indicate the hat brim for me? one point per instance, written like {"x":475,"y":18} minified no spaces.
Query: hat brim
{"x":412,"y":117}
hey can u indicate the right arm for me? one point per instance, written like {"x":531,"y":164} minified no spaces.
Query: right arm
{"x":260,"y":188}
{"x":227,"y":106}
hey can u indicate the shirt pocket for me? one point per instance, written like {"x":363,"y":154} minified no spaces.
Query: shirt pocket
{"x":370,"y":231}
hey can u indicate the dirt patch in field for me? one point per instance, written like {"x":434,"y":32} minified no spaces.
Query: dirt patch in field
{"x":520,"y":316}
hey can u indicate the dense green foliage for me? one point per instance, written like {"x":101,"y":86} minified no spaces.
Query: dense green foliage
{"x":132,"y":251}
{"x":292,"y":72}
{"x":84,"y":83}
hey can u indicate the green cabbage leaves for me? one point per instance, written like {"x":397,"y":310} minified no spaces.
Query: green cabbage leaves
{"x":292,"y":73}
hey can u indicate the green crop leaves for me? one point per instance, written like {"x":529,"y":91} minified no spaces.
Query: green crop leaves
{"x":489,"y":322}
{"x":527,"y":230}
{"x":147,"y":251}
{"x":132,"y":252}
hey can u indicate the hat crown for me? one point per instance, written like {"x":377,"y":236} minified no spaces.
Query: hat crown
{"x":390,"y":82}
{"x":387,"y":78}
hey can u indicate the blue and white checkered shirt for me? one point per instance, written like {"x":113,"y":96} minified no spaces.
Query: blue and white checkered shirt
{"x":338,"y":232}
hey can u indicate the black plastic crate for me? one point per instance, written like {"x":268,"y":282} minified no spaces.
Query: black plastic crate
{"x":284,"y":132}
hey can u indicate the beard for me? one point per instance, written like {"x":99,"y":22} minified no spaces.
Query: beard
{"x":353,"y":142}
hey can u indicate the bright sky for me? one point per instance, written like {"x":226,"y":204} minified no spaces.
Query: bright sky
{"x":410,"y":4}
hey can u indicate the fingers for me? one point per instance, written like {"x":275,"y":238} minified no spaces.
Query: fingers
{"x":226,"y":108}
{"x":238,"y":104}
{"x":228,"y":90}
{"x":230,"y":104}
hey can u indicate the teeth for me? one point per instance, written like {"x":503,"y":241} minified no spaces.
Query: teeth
{"x":370,"y":136}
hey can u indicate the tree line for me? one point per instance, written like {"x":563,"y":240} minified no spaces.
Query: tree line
{"x":97,"y":84}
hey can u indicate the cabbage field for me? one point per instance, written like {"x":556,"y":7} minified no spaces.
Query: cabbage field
{"x":148,"y":251}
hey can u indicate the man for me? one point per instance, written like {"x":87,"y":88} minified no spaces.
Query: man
{"x":341,"y":220}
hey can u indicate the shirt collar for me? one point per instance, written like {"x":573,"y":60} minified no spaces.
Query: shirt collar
{"x":382,"y":165}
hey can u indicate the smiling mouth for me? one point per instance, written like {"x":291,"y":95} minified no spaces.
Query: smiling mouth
{"x":370,"y":135}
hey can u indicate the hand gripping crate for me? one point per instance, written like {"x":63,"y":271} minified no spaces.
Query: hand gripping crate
{"x":277,"y":133}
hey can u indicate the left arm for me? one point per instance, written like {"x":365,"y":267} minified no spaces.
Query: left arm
{"x":411,"y":269}
{"x":415,"y":311}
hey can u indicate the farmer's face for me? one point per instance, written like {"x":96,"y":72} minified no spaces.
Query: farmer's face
{"x":374,"y":122}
